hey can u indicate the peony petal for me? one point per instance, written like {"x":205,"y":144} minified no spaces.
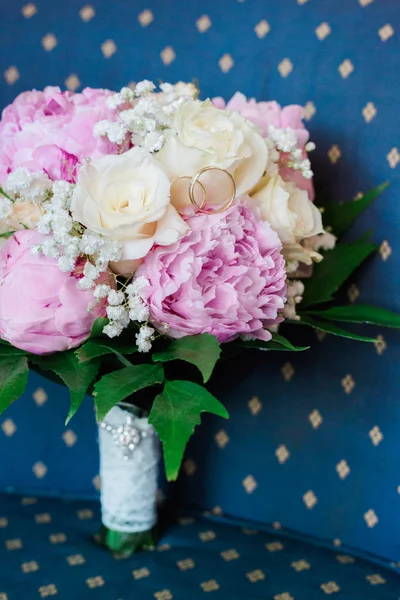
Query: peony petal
{"x":41,"y":309}
{"x":226,"y":277}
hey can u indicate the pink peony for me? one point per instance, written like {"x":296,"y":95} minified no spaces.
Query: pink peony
{"x":264,"y":114}
{"x":41,"y":309}
{"x":226,"y":277}
{"x":40,"y":130}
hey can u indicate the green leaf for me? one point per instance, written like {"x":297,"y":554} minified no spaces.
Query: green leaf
{"x":76,"y":376}
{"x":13,"y":379}
{"x":7,"y":234}
{"x":8,"y":350}
{"x":2,"y":192}
{"x":175,"y":414}
{"x":332,"y":272}
{"x":202,"y":350}
{"x":329,"y":327}
{"x":339,"y":216}
{"x":117,"y":386}
{"x":282,"y":341}
{"x":278,"y":342}
{"x":97,"y":328}
{"x":99,"y":344}
{"x":196,"y":83}
{"x":95,"y":348}
{"x":360,"y":313}
{"x":366,"y":237}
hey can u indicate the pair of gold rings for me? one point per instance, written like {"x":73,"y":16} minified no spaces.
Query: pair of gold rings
{"x":196,"y":180}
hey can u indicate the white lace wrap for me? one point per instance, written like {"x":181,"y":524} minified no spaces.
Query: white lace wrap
{"x":128,"y":486}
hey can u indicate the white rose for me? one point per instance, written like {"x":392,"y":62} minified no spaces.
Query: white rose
{"x":203,"y":135}
{"x":126,"y":197}
{"x":290,"y":213}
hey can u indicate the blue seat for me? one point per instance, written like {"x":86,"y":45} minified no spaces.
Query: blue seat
{"x":49,"y":551}
{"x":310,"y":455}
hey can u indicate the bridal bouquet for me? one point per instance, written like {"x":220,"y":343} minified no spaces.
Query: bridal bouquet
{"x":142,"y":234}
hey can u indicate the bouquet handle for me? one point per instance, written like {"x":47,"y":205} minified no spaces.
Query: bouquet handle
{"x":129,"y":458}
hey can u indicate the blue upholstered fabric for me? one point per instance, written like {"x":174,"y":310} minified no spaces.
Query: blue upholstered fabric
{"x":47,"y":549}
{"x":313,"y":439}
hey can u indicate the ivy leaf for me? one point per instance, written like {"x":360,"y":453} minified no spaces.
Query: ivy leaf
{"x":329,"y":327}
{"x":202,"y":350}
{"x":76,"y":376}
{"x":95,"y":348}
{"x":332,"y":272}
{"x":339,"y":216}
{"x":13,"y":379}
{"x":117,"y":386}
{"x":360,"y":313}
{"x":175,"y":414}
{"x":278,"y":342}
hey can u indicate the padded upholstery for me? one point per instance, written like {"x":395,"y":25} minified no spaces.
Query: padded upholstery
{"x":49,"y":550}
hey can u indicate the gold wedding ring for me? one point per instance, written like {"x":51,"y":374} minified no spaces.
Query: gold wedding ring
{"x":203,"y":200}
{"x":195,"y":180}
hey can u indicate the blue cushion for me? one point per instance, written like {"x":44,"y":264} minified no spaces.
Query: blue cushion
{"x":47,"y":549}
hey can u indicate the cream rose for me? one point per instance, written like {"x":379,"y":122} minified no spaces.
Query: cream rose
{"x":203,"y":135}
{"x":25,"y":215}
{"x":126,"y":197}
{"x":290,"y":213}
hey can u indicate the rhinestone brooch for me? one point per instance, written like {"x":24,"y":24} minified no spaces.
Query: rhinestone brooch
{"x":127,"y":437}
